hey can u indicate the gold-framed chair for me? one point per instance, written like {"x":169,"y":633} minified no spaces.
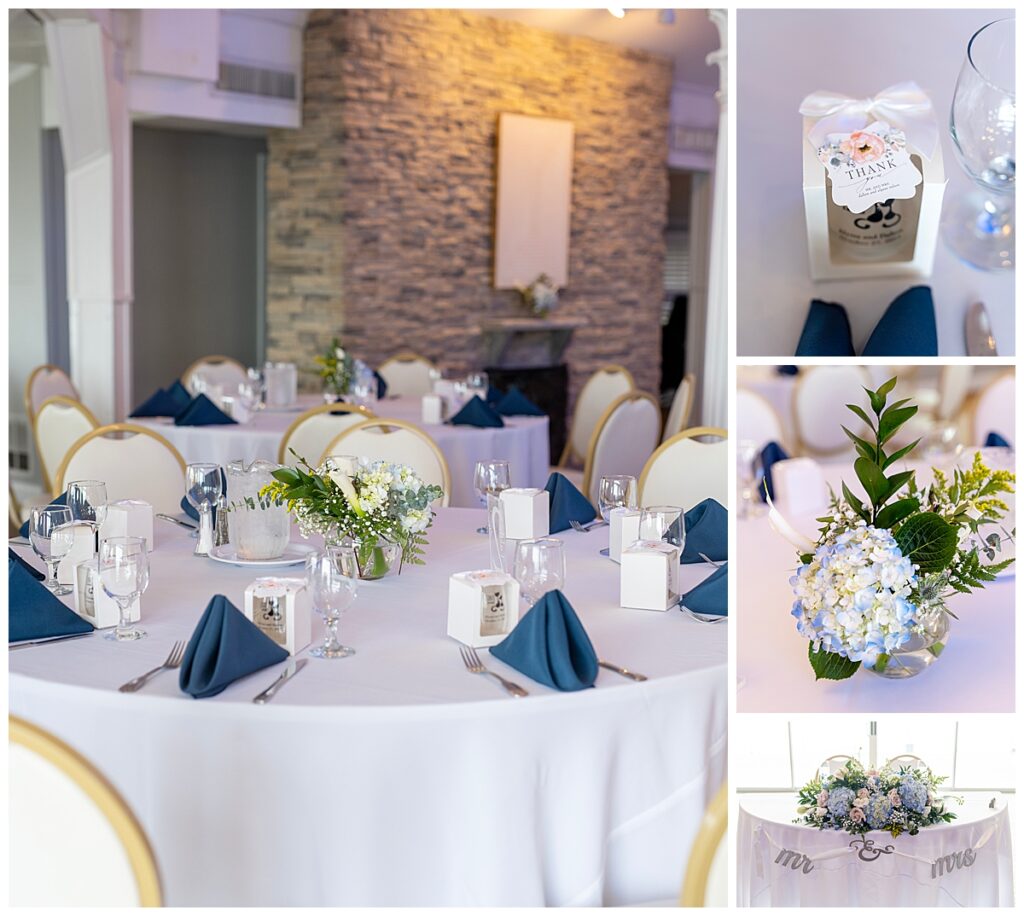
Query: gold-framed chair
{"x":604,"y":386}
{"x":63,"y":811}
{"x":758,"y":420}
{"x":44,"y":382}
{"x":911,"y":760}
{"x":314,"y":429}
{"x":58,"y":424}
{"x":384,"y":439}
{"x":834,"y":764}
{"x":218,"y":369}
{"x":707,"y":871}
{"x":819,"y":392}
{"x":682,"y":406}
{"x":13,"y":513}
{"x":407,"y":374}
{"x":133,"y":461}
{"x":684,"y":471}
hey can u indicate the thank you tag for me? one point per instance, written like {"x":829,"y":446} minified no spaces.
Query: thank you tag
{"x":869,"y":167}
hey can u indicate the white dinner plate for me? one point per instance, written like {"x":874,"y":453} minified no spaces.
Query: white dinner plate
{"x":294,"y":555}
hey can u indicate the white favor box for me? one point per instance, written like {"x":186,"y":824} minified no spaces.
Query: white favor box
{"x":624,"y":529}
{"x":129,"y":518}
{"x":94,"y":604}
{"x":799,"y":486}
{"x":483,"y":607}
{"x":432,"y":409}
{"x":649,"y":576}
{"x":526,"y":513}
{"x":281,"y":609}
{"x":83,"y":548}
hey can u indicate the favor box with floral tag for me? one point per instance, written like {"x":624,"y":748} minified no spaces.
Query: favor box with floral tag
{"x":281,"y":610}
{"x":526,"y":513}
{"x":432,"y":409}
{"x":83,"y":547}
{"x":483,"y":607}
{"x":92,"y":603}
{"x":873,"y":184}
{"x":129,"y":518}
{"x":623,"y":530}
{"x":649,"y":576}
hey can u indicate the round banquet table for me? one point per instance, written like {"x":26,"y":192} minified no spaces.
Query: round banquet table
{"x":523,"y":441}
{"x":974,"y":674}
{"x":920,"y":870}
{"x":395,"y":777}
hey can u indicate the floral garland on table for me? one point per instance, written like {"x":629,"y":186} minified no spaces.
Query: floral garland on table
{"x":337,"y":369}
{"x":856,"y":800}
{"x":371,"y":501}
{"x":882,"y":569}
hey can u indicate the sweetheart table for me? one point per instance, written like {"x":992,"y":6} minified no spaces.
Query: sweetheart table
{"x":395,"y":777}
{"x":967,"y":862}
{"x":523,"y":441}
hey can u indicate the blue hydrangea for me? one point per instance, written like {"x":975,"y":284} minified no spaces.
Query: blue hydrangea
{"x":878,"y":811}
{"x":839,"y":801}
{"x":913,"y":793}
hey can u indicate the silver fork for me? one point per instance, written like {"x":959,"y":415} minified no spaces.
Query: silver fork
{"x":174,"y":658}
{"x":576,"y":526}
{"x":473,"y":664}
{"x":703,"y":618}
{"x":718,"y":564}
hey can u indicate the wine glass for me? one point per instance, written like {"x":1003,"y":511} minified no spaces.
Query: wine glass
{"x":490,"y":478}
{"x":332,"y":577}
{"x":87,"y":500}
{"x":746,"y":455}
{"x":202,"y":487}
{"x":979,"y":227}
{"x":617,"y":491}
{"x":667,"y":524}
{"x":478,"y":382}
{"x":258,"y":383}
{"x":124,"y":575}
{"x":539,"y":567}
{"x":52,"y":537}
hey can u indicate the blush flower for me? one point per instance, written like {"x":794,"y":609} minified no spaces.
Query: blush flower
{"x":863,"y":147}
{"x":856,"y":815}
{"x":894,"y":798}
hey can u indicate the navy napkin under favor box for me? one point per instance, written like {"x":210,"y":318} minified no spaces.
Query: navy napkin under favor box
{"x":33,"y":611}
{"x":710,"y":596}
{"x":707,"y":532}
{"x":567,"y":504}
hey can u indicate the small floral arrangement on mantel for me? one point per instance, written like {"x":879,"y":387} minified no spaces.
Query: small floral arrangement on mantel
{"x":896,"y":799}
{"x":385,"y":509}
{"x":337,"y":369}
{"x":872,"y":590}
{"x":541,"y":296}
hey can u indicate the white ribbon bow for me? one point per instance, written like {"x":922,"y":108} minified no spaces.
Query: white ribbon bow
{"x":904,"y":106}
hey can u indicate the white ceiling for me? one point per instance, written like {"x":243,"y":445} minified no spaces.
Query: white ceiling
{"x":687,"y":41}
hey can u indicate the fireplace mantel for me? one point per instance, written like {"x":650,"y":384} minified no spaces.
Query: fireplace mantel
{"x":526,"y":343}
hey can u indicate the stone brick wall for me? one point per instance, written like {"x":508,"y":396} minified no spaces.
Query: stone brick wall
{"x":381,"y":207}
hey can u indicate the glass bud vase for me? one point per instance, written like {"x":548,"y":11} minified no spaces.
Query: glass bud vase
{"x":920,"y":651}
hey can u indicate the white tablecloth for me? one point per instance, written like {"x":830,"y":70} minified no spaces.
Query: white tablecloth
{"x":523,"y":441}
{"x":825,"y":49}
{"x":394,"y":776}
{"x":841,"y":875}
{"x":974,"y":674}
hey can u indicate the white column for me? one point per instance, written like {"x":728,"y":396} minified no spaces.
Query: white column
{"x":716,"y":341}
{"x":95,"y":131}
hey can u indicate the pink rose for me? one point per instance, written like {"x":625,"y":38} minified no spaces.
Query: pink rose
{"x":863,"y":793}
{"x":872,"y":772}
{"x":822,"y":797}
{"x":863,"y":147}
{"x":856,"y":815}
{"x":894,"y":798}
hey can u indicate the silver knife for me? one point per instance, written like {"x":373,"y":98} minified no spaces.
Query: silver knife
{"x":176,"y":521}
{"x":294,"y":667}
{"x":45,"y":640}
{"x":978,"y":332}
{"x":625,"y":672}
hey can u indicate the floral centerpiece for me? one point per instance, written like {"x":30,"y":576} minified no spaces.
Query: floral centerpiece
{"x":895,"y":799}
{"x":385,"y":509}
{"x":337,"y":369}
{"x":541,"y":296}
{"x":872,"y":590}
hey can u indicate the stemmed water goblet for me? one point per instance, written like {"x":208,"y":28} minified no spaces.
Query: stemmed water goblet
{"x":667,"y":524}
{"x":617,"y":491}
{"x":746,"y":457}
{"x":124,"y":575}
{"x":539,"y":567}
{"x":332,"y":578}
{"x":477,"y":383}
{"x":87,"y":500}
{"x":51,"y":535}
{"x":489,"y":479}
{"x":202,"y":489}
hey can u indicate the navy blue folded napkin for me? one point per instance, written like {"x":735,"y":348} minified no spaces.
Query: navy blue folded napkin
{"x":707,"y":532}
{"x":202,"y":412}
{"x":566,"y":504}
{"x":770,"y":454}
{"x":61,"y":500}
{"x":994,"y":440}
{"x":33,"y":611}
{"x":382,"y":386}
{"x":493,"y":395}
{"x":787,"y":370}
{"x":550,"y":646}
{"x":164,"y":402}
{"x":13,"y":557}
{"x":906,"y":329}
{"x":516,"y":404}
{"x":477,"y":413}
{"x":710,"y":596}
{"x":225,"y":647}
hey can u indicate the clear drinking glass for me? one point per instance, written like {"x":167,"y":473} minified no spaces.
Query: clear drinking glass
{"x":87,"y":500}
{"x":663,"y":523}
{"x":616,"y":492}
{"x":478,"y":382}
{"x":51,"y":536}
{"x":332,"y":578}
{"x":539,"y":567}
{"x":979,"y":227}
{"x":257,"y":381}
{"x":124,"y":575}
{"x":489,"y":479}
{"x":202,"y":487}
{"x":746,"y":455}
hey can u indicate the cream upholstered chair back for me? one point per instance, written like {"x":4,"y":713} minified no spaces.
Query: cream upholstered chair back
{"x":74,"y":841}
{"x":59,"y":424}
{"x":687,"y":469}
{"x":757,"y":420}
{"x":407,"y":374}
{"x":222,"y":371}
{"x":314,"y":430}
{"x":994,"y":410}
{"x":819,"y":412}
{"x":954,"y":386}
{"x":603,"y":387}
{"x":707,"y":872}
{"x":682,"y":405}
{"x":46,"y":382}
{"x":133,"y":461}
{"x":13,"y":512}
{"x":395,"y":440}
{"x":623,"y":440}
{"x":832,"y":765}
{"x":906,"y":760}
